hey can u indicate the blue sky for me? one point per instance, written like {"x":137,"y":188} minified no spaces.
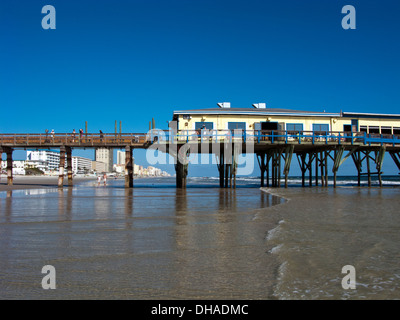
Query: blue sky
{"x":134,"y":60}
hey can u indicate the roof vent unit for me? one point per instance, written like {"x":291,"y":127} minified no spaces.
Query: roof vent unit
{"x":259,"y":105}
{"x":224,"y":104}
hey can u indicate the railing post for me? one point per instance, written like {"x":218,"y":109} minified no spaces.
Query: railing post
{"x":352,"y":138}
{"x":365,"y":138}
{"x":272,"y":136}
{"x":326,"y":137}
{"x":286,"y":136}
{"x":258,"y":136}
{"x":339,"y":138}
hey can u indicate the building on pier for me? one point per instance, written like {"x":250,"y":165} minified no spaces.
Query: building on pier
{"x":277,"y":134}
{"x":259,"y":117}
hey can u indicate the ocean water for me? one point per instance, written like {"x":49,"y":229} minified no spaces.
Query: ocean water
{"x":158,"y":242}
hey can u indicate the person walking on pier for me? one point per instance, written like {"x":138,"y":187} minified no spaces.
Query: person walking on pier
{"x":73,"y":135}
{"x":80,"y":134}
{"x":101,"y":136}
{"x":47,"y":135}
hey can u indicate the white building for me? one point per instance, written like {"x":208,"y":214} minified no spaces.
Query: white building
{"x":105,"y":156}
{"x":120,"y":157}
{"x":99,"y":167}
{"x":48,"y":160}
{"x":18,"y":166}
{"x":81,"y":165}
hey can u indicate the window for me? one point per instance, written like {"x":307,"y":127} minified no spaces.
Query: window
{"x":294,"y":128}
{"x":237,"y":125}
{"x":396,"y":131}
{"x":320,"y":128}
{"x":373,"y":129}
{"x":363,"y":128}
{"x":201,"y":125}
{"x":386,"y":130}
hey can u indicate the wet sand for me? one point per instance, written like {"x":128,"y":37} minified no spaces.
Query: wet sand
{"x":200,"y":243}
{"x":321,"y":230}
{"x":140,"y":243}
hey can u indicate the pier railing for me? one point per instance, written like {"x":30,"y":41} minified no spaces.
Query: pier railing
{"x":199,"y":136}
{"x":276,"y":136}
{"x":77,"y":139}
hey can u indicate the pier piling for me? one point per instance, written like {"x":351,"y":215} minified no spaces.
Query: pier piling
{"x":69,"y":165}
{"x":128,"y":167}
{"x":61,"y":167}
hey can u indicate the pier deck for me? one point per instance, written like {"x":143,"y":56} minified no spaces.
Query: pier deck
{"x":273,"y":149}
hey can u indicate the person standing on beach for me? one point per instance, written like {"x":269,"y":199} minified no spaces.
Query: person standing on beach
{"x":105,"y":178}
{"x":98,"y":180}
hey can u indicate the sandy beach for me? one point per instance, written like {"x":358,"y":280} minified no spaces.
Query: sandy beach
{"x":154,"y":242}
{"x":37,"y":182}
{"x":321,"y":230}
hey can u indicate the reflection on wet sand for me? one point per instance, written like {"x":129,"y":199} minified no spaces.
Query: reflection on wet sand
{"x":136,"y":243}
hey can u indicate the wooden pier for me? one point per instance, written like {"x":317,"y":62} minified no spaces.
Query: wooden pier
{"x":274,"y":151}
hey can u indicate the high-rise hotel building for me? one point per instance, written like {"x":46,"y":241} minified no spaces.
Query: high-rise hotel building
{"x":105,"y":156}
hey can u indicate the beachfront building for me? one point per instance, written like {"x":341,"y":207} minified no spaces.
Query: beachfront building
{"x":45,"y":160}
{"x":81,"y":165}
{"x":98,"y":167}
{"x":121,"y":157}
{"x":259,"y":117}
{"x":18,"y":167}
{"x":105,"y":155}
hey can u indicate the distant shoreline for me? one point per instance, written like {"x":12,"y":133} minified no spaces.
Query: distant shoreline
{"x":37,"y":182}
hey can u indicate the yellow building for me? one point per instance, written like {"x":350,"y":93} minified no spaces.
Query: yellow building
{"x":259,"y":117}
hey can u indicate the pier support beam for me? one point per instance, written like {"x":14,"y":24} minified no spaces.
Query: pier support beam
{"x":128,"y":167}
{"x":379,"y":156}
{"x":396,"y":158}
{"x":367,"y":155}
{"x":271,"y":161}
{"x":181,"y":168}
{"x":358,"y":163}
{"x":306,"y":165}
{"x":227,"y":162}
{"x":221,"y":169}
{"x":320,"y":159}
{"x":61,"y":168}
{"x":69,"y":165}
{"x":263,"y":159}
{"x":288,"y":159}
{"x":181,"y":174}
{"x":10,"y":178}
{"x":337,"y":161}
